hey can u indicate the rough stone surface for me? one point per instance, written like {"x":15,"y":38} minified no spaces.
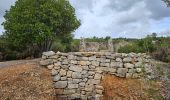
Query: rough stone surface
{"x":116,"y":64}
{"x":46,"y":62}
{"x":60,"y":84}
{"x":122,"y":72}
{"x":76,"y":68}
{"x":56,"y":78}
{"x":49,"y":53}
{"x":78,"y":74}
{"x":128,"y":59}
{"x":129,"y":65}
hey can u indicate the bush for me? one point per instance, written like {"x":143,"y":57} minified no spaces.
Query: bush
{"x":162,"y":54}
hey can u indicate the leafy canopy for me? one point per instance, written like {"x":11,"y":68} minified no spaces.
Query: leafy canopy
{"x":38,"y":23}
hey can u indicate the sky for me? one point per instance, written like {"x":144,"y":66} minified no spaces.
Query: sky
{"x":115,"y":18}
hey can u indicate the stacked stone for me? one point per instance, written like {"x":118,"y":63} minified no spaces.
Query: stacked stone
{"x":78,"y":74}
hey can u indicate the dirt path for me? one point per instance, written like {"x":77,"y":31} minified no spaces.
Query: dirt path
{"x":17,"y":62}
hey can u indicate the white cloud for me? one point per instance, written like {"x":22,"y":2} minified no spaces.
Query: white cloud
{"x":116,"y":18}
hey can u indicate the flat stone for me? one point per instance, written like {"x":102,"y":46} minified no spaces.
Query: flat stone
{"x":76,"y":75}
{"x":71,"y":57}
{"x":49,"y":53}
{"x":128,"y":59}
{"x":105,"y":64}
{"x":73,"y":62}
{"x":57,"y":64}
{"x":89,"y":88}
{"x":69,"y":91}
{"x":60,"y":84}
{"x":63,"y":78}
{"x":95,"y":63}
{"x":65,"y":66}
{"x":92,"y":58}
{"x":65,"y":62}
{"x":83,"y":63}
{"x":46,"y":62}
{"x":50,"y":66}
{"x":129,"y":65}
{"x":119,"y":59}
{"x":56,"y":67}
{"x":121,"y":72}
{"x":97,"y":76}
{"x":82,"y":84}
{"x":75,"y":96}
{"x":85,"y":67}
{"x":93,"y":81}
{"x":75,"y":68}
{"x":69,"y":73}
{"x":116,"y":64}
{"x":112,"y":70}
{"x":54,"y":57}
{"x":84,"y":58}
{"x":99,"y":92}
{"x":63,"y":72}
{"x":92,"y":67}
{"x":99,"y":87}
{"x":75,"y":81}
{"x":54,"y":72}
{"x":56,"y":78}
{"x":72,"y":86}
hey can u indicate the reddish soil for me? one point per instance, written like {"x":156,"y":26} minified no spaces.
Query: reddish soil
{"x":116,"y":88}
{"x":26,"y":81}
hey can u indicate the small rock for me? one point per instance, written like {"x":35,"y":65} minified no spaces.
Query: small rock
{"x":127,"y":60}
{"x":97,"y":76}
{"x":99,"y":87}
{"x":69,"y":73}
{"x":95,"y":63}
{"x":119,"y":59}
{"x":54,"y":72}
{"x":121,"y":72}
{"x":50,"y":66}
{"x":76,"y":75}
{"x":105,"y":64}
{"x":60,"y":84}
{"x":129,"y":65}
{"x":56,"y":78}
{"x":92,"y":58}
{"x":138,"y":70}
{"x":116,"y":64}
{"x":46,"y":62}
{"x":75,"y":68}
{"x":49,"y":53}
{"x":72,"y":86}
{"x":63,"y":72}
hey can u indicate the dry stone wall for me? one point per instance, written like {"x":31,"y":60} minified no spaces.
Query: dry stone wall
{"x":77,"y":75}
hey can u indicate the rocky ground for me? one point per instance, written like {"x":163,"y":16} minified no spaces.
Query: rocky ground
{"x":26,"y":80}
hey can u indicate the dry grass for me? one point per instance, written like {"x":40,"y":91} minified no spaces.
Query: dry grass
{"x":25,"y":82}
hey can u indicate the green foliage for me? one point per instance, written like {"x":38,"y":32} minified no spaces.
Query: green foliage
{"x":139,"y":46}
{"x":38,"y":23}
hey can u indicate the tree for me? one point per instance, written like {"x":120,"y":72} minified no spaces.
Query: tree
{"x":167,"y":2}
{"x":38,"y":23}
